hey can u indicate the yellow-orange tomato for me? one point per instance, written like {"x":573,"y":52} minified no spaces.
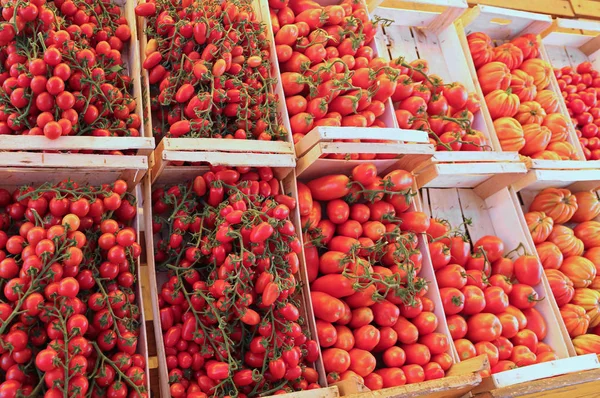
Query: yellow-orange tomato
{"x":588,"y":206}
{"x":510,"y":134}
{"x":546,"y":155}
{"x":558,"y":126}
{"x":590,"y":301}
{"x":550,"y":255}
{"x":502,"y":103}
{"x":587,"y":344}
{"x":563,"y":149}
{"x":530,"y":112}
{"x":537,"y":138}
{"x":548,"y":100}
{"x":522,"y":85}
{"x":579,"y":270}
{"x":540,"y":70}
{"x":567,"y":242}
{"x":561,"y":286}
{"x":575,"y":318}
{"x":540,"y":225}
{"x":557,"y":203}
{"x":493,"y":76}
{"x":589,"y":233}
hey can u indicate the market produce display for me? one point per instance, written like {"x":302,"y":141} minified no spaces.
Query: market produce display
{"x":565,"y":228}
{"x":230,"y":308}
{"x":489,"y":298}
{"x":63,"y":72}
{"x":580,"y":88}
{"x":516,"y":85}
{"x":209,"y":71}
{"x":70,"y":319}
{"x":444,"y":110}
{"x":373,"y":318}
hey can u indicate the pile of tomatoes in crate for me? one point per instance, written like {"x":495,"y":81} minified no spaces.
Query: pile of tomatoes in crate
{"x":330,"y":74}
{"x":209,"y":71}
{"x":580,"y":87}
{"x":571,"y":258}
{"x":525,"y":111}
{"x":70,"y":320}
{"x":230,"y":308}
{"x":446,"y":111}
{"x":63,"y":70}
{"x":489,"y":299}
{"x":373,"y":319}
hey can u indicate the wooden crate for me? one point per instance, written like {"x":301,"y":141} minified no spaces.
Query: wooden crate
{"x":502,"y":24}
{"x":287,"y":146}
{"x":21,"y":167}
{"x":315,"y":167}
{"x":432,"y":36}
{"x":462,"y":378}
{"x":33,"y":169}
{"x":142,"y":145}
{"x":393,"y":141}
{"x":569,"y":42}
{"x":573,"y":385}
{"x":283,"y":167}
{"x":312,"y":164}
{"x":499,"y":214}
{"x":521,"y":380}
{"x":475,"y":171}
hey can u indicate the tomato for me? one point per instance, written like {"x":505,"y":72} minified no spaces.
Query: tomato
{"x":451,"y":276}
{"x":492,"y":245}
{"x":536,"y":323}
{"x":483,"y":327}
{"x":426,"y":322}
{"x":391,"y":377}
{"x":528,"y":270}
{"x":329,"y":187}
{"x":457,"y":325}
{"x":326,"y":307}
{"x":504,"y":347}
{"x":336,"y":360}
{"x":418,"y":354}
{"x":496,"y":300}
{"x":362,"y":362}
{"x":452,"y":299}
{"x":465,"y":349}
{"x":475,"y":300}
{"x":522,"y":356}
{"x":406,"y":331}
{"x":436,"y":342}
{"x":523,"y":296}
{"x":526,"y":338}
{"x":510,"y":324}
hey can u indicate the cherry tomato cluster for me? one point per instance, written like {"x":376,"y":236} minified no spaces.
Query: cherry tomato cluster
{"x":373,"y":319}
{"x":70,"y":322}
{"x":570,"y":255}
{"x":525,"y":109}
{"x":209,"y":64}
{"x":230,"y":310}
{"x":330,"y":73}
{"x":581,"y":88}
{"x":62,"y":70}
{"x":489,"y":299}
{"x":445,"y":111}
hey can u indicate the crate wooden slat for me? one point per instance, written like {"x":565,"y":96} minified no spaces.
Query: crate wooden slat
{"x":142,"y":145}
{"x":20,"y":168}
{"x":503,"y":24}
{"x":284,"y":146}
{"x":560,"y":8}
{"x":312,"y":164}
{"x":574,"y":385}
{"x":586,"y":8}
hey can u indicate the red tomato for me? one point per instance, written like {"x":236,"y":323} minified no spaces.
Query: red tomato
{"x":483,"y":327}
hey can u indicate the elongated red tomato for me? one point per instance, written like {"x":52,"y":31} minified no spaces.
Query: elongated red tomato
{"x":329,"y":187}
